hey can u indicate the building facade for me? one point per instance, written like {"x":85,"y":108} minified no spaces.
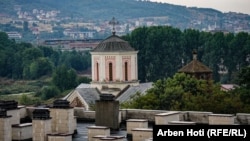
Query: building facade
{"x":114,"y":65}
{"x":114,"y":71}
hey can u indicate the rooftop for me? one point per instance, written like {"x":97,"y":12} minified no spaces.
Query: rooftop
{"x":113,"y":44}
{"x":82,"y":131}
{"x":195,"y":66}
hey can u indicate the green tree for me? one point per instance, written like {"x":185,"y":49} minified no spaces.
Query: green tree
{"x":164,"y":49}
{"x":64,"y":78}
{"x":39,"y":67}
{"x":139,"y":101}
{"x":31,"y":54}
{"x":52,"y":54}
{"x":244,"y":77}
{"x":83,"y":79}
{"x":185,"y":93}
{"x":4,"y":40}
{"x":25,"y":100}
{"x":76,"y":60}
{"x":3,"y":59}
{"x":243,"y":81}
{"x":71,"y":78}
{"x":17,"y":68}
{"x":158,"y":47}
{"x":49,"y":92}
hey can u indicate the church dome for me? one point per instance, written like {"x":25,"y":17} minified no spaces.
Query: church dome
{"x":113,"y":44}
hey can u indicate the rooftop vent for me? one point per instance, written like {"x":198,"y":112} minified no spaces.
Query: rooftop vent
{"x":41,"y":114}
{"x":107,"y":97}
{"x":8,"y":105}
{"x":61,"y":104}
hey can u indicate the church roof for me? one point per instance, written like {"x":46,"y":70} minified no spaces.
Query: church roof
{"x":113,"y":44}
{"x":132,"y":90}
{"x":90,"y":95}
{"x":195,"y":66}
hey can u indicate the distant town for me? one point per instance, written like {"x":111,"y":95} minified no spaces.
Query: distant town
{"x":40,"y":26}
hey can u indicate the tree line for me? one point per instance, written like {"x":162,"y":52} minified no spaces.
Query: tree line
{"x":24,"y":61}
{"x":163,"y":50}
{"x":182,"y":92}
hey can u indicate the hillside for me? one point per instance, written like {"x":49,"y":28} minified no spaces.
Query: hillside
{"x":99,"y":9}
{"x":151,"y":13}
{"x":124,"y":9}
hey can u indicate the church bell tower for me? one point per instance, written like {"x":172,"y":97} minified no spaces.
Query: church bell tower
{"x":114,"y":64}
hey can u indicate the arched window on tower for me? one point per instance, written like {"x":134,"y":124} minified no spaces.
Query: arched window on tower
{"x":126,"y":71}
{"x":110,"y":72}
{"x":97,"y":71}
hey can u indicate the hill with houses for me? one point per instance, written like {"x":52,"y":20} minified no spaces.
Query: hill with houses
{"x":151,"y":13}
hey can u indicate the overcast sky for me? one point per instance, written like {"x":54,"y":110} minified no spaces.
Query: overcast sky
{"x":242,"y":6}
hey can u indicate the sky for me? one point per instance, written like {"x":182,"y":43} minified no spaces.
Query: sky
{"x":239,"y":6}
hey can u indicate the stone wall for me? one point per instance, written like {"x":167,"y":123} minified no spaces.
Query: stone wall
{"x":221,"y":119}
{"x":243,"y":118}
{"x":107,"y":114}
{"x":83,"y":115}
{"x":200,"y":117}
{"x":59,"y":137}
{"x":40,"y":129}
{"x":141,"y":134}
{"x":62,"y":120}
{"x":15,"y":116}
{"x":6,"y":130}
{"x":164,"y":118}
{"x":22,"y":131}
{"x":97,"y":130}
{"x":139,"y":114}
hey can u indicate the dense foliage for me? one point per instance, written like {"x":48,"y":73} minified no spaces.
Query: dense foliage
{"x":184,"y":93}
{"x":163,"y":50}
{"x":24,"y":61}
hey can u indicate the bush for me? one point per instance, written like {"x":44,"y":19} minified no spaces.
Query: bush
{"x":49,"y":92}
{"x":29,"y":100}
{"x":83,"y":79}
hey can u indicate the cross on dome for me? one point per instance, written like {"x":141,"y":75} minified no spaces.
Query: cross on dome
{"x":113,"y":22}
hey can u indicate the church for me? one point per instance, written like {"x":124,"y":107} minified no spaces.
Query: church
{"x":114,"y":69}
{"x":197,"y":69}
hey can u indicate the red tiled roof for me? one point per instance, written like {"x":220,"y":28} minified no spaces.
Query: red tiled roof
{"x":195,"y":67}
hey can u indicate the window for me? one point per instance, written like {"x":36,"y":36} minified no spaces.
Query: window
{"x":203,"y":76}
{"x":110,"y":72}
{"x":126,"y":71}
{"x":97,"y":71}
